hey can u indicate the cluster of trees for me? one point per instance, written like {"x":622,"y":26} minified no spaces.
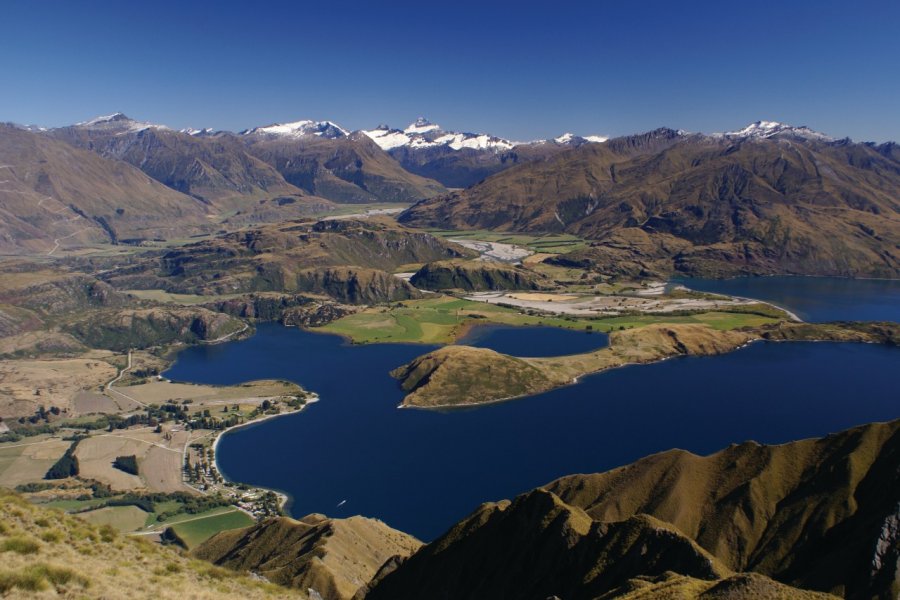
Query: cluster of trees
{"x":128,"y":464}
{"x":66,"y":466}
{"x":202,"y":471}
{"x":41,"y":414}
{"x":270,"y":506}
{"x":206,"y":421}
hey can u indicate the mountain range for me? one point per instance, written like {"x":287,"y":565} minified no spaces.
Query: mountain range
{"x":458,"y":159}
{"x":769,"y":198}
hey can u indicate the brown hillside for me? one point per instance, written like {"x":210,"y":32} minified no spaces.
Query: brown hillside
{"x":52,"y":191}
{"x":333,"y":557}
{"x":350,"y":169}
{"x":699,"y":205}
{"x":538,"y":547}
{"x":292,"y":257}
{"x":818,"y":514}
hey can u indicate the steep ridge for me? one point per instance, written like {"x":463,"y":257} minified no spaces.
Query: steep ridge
{"x":53,"y":195}
{"x":763,"y":200}
{"x":818,"y":514}
{"x":538,"y":547}
{"x":333,"y":558}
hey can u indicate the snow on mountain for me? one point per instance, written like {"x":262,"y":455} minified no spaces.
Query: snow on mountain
{"x":118,"y":122}
{"x":197,"y":132}
{"x":325,"y":129}
{"x":768,"y":129}
{"x":571,"y":138}
{"x":388,"y":138}
{"x":458,"y":141}
{"x":422,"y":125}
{"x":424,"y":134}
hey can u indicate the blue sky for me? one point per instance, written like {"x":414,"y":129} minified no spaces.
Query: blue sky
{"x":522,"y":70}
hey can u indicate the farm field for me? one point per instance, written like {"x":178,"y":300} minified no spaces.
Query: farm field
{"x":196,"y":529}
{"x":443,"y":320}
{"x":27,"y":461}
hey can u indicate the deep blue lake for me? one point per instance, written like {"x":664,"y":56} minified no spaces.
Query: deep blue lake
{"x":815,"y":298}
{"x":420,"y":471}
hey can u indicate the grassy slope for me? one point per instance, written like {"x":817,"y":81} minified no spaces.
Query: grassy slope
{"x":443,"y":319}
{"x":333,"y":556}
{"x":45,"y":553}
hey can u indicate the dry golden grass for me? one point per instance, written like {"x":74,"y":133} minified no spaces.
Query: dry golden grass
{"x":53,"y":555}
{"x":30,"y":383}
{"x":333,"y":556}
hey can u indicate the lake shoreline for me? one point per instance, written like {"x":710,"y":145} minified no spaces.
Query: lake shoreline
{"x":284,"y":498}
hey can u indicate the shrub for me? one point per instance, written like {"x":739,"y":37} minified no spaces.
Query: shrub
{"x":28,"y":580}
{"x":52,"y":536}
{"x":19,"y":545}
{"x":107,"y":533}
{"x":59,"y":576}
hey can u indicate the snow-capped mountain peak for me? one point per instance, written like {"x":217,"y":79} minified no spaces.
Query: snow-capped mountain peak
{"x":388,"y":138}
{"x":117,"y":122}
{"x":572,"y":139}
{"x":325,"y":129}
{"x":421,"y":125}
{"x":113,"y":118}
{"x":425,"y":134}
{"x":768,"y":129}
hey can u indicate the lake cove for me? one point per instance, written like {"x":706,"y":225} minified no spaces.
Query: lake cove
{"x":354,"y":452}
